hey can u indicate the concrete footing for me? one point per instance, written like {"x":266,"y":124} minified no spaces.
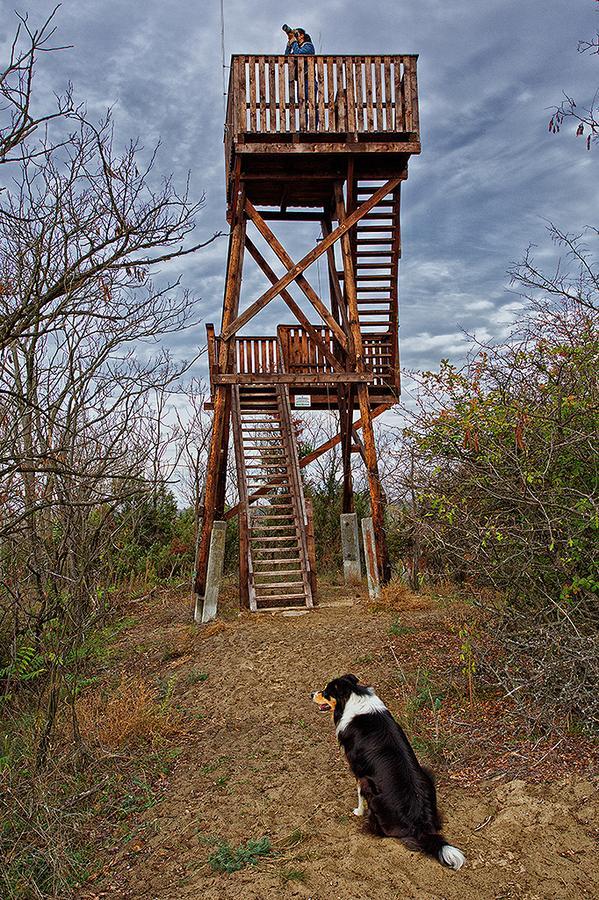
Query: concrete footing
{"x":206,"y":607}
{"x":372,"y":570}
{"x":350,"y":545}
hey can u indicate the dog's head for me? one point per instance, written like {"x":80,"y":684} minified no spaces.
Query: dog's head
{"x":335,"y":695}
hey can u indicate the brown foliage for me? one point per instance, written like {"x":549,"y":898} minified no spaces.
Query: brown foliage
{"x":130,"y":716}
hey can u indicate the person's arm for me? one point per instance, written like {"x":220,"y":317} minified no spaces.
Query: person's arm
{"x":292,"y":48}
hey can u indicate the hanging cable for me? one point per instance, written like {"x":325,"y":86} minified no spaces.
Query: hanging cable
{"x":222,"y":45}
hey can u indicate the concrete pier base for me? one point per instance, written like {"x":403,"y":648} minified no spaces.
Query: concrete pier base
{"x":372,"y":571}
{"x":206,"y":607}
{"x":350,"y":545}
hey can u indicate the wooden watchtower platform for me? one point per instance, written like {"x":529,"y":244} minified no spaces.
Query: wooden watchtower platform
{"x":322,"y":139}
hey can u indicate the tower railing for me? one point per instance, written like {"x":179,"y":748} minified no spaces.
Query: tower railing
{"x":332,"y":95}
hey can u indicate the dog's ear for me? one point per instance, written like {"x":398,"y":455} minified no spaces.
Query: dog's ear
{"x":352,"y":678}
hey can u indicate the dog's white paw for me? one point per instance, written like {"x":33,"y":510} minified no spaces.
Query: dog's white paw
{"x":452,"y":857}
{"x":358,"y":811}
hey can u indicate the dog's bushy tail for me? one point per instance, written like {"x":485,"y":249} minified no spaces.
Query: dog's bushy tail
{"x":436,"y":846}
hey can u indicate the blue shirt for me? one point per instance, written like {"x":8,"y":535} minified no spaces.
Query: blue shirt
{"x":294,"y":49}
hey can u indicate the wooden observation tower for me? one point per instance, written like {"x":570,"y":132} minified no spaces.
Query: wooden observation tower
{"x":323,"y":140}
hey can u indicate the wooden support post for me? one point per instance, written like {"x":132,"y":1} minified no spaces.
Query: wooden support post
{"x":372,"y":570}
{"x":346,"y":406}
{"x":206,"y":606}
{"x":310,"y":540}
{"x":370,"y":459}
{"x":217,"y":455}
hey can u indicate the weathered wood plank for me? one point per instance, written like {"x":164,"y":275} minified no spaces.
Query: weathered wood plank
{"x":320,"y":91}
{"x":340,"y":98}
{"x":282,"y":124}
{"x":272,"y":95}
{"x":265,"y":377}
{"x":330,"y":147}
{"x":253,"y":124}
{"x":351,"y":96}
{"x":378,"y":90}
{"x":331,"y":123}
{"x":388,"y":96}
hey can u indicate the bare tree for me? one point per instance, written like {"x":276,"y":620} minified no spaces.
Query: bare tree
{"x":585,"y":117}
{"x":16,"y":88}
{"x":85,"y":427}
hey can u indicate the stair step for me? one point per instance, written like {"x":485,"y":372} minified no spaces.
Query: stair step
{"x":284,"y":597}
{"x":266,"y":466}
{"x":269,"y":528}
{"x":287,"y":550}
{"x":279,"y":584}
{"x":269,"y":517}
{"x":278,"y":572}
{"x":278,"y":562}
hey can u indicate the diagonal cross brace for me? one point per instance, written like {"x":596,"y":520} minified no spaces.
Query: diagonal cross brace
{"x":302,"y":282}
{"x":295,"y":309}
{"x":310,"y":257}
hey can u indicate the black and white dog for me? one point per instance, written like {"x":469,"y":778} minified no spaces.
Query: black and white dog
{"x":400,"y":794}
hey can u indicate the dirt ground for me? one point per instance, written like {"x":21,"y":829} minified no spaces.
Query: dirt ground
{"x":259,"y":760}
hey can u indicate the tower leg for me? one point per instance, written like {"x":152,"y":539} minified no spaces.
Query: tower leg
{"x":345,"y":396}
{"x":216,"y":473}
{"x":374,"y":485}
{"x":370,"y":459}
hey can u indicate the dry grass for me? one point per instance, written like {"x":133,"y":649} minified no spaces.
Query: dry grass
{"x":132,"y":715}
{"x":397,"y":595}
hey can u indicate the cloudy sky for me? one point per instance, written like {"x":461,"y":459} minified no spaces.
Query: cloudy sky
{"x":489,"y":175}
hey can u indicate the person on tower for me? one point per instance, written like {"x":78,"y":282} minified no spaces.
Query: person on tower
{"x":298,"y":42}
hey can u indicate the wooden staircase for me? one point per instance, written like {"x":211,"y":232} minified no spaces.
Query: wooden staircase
{"x":377,"y":248}
{"x":273,"y":526}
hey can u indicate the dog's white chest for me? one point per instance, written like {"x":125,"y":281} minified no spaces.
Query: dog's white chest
{"x":359,"y":705}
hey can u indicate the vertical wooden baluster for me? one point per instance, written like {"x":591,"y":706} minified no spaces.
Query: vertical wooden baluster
{"x":301,"y":92}
{"x":252,"y":80}
{"x":399,"y":108}
{"x":272,"y":95}
{"x":261,"y":94}
{"x":242,"y":93}
{"x":388,"y":103}
{"x":282,"y":125}
{"x":414,"y":96}
{"x":351,"y":94}
{"x":369,"y":109}
{"x":320,"y":125}
{"x":379,"y":93}
{"x":290,"y":63}
{"x":332,"y":121}
{"x":407,"y":94}
{"x":360,"y":96}
{"x":311,"y":92}
{"x":341,"y":98}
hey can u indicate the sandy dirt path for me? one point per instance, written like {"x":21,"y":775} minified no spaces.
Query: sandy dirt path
{"x":261,"y":760}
